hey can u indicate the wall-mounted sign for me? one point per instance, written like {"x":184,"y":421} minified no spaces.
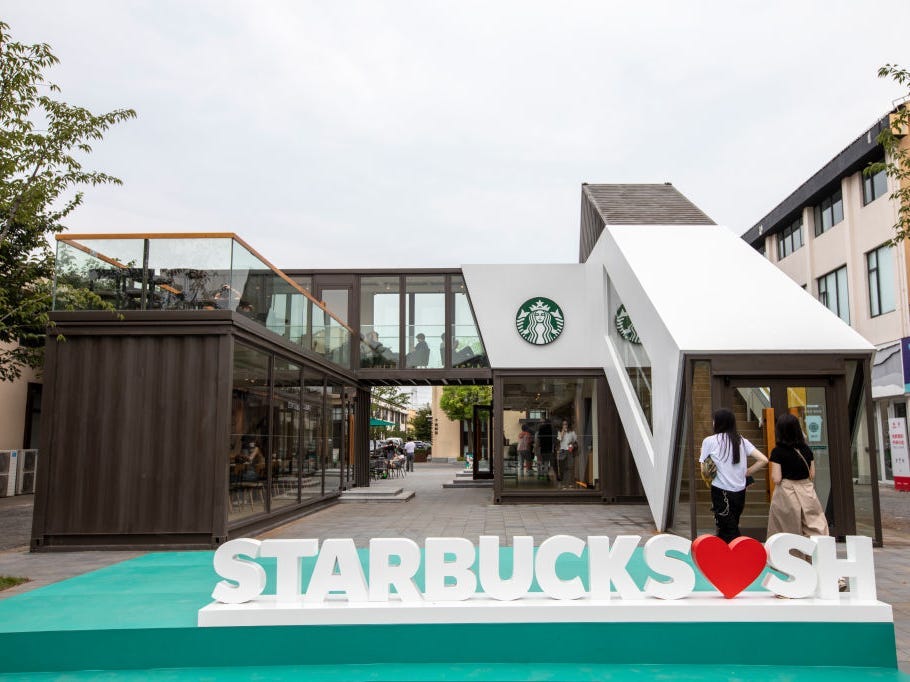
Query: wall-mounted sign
{"x":464,"y":581}
{"x":900,"y":462}
{"x":624,"y":325}
{"x":539,"y":321}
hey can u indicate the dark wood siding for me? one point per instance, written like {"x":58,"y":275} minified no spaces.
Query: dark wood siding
{"x":591,"y":227}
{"x":137,"y":441}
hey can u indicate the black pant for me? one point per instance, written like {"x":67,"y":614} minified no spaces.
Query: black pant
{"x":727,"y":507}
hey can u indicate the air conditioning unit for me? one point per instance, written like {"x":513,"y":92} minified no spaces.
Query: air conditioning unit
{"x":8,"y":470}
{"x":25,"y":475}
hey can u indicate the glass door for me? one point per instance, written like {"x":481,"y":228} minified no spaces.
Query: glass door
{"x":483,"y":441}
{"x":756,"y":405}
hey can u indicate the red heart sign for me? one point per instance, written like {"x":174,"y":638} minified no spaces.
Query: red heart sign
{"x":730,"y":568}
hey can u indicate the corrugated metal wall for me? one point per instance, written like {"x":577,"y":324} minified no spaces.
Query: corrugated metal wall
{"x":135,"y":439}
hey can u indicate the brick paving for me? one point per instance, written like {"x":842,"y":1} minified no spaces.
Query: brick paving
{"x":459,"y":512}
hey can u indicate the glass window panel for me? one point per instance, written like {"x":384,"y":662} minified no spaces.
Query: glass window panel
{"x":631,"y":352}
{"x":466,"y":349}
{"x":542,"y":417}
{"x":379,"y":321}
{"x":425,"y":314}
{"x":313,"y":435}
{"x":833,"y":293}
{"x":286,"y":453}
{"x":248,"y":466}
{"x":336,"y":443}
{"x":879,"y":184}
{"x":837,"y":209}
{"x":880,"y":265}
{"x":843,"y":299}
{"x":331,"y":336}
{"x":886,"y":279}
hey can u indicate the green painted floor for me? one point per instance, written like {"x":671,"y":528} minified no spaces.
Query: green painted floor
{"x":137,"y":620}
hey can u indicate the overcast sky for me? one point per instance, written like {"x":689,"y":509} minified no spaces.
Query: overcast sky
{"x":428,"y":134}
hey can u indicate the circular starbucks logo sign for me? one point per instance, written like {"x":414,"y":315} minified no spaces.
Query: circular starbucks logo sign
{"x":624,"y":325}
{"x":539,"y":321}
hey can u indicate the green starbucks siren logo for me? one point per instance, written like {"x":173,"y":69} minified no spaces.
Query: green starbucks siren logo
{"x":624,"y":325}
{"x":539,"y":321}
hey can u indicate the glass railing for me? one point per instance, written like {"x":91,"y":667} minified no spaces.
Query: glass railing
{"x":194,"y":272}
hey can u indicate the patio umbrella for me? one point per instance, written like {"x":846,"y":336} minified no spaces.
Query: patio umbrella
{"x":380,"y":422}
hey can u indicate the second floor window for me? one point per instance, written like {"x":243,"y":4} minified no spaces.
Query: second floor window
{"x":829,"y":212}
{"x":874,"y":186}
{"x":832,"y":292}
{"x":880,"y":266}
{"x":790,"y":239}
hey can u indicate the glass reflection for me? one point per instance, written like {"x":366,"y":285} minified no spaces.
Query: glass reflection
{"x":551,"y":432}
{"x":196,"y":273}
{"x":286,"y":453}
{"x":313,"y":438}
{"x":465,"y":348}
{"x":379,"y":317}
{"x":248,"y":470}
{"x":425,"y":312}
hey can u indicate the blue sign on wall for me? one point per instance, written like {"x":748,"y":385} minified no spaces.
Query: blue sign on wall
{"x":905,"y":361}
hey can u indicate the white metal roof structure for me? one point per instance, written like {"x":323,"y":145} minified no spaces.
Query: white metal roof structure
{"x":689,"y":290}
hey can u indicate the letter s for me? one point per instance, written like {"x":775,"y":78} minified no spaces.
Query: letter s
{"x":681,"y":575}
{"x":249,"y":576}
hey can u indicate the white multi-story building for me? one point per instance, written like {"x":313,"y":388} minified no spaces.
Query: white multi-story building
{"x":833,"y":236}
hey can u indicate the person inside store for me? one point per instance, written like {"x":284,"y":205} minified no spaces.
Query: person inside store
{"x":543,"y":446}
{"x":375,"y":354}
{"x":526,"y":449}
{"x":420,"y":356}
{"x":729,"y":452}
{"x":565,"y":460}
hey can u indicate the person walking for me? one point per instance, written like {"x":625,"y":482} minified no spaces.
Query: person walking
{"x":568,"y":446}
{"x":409,"y":448}
{"x":729,"y":451}
{"x":794,"y":506}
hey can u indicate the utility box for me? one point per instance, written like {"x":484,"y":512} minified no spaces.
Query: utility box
{"x":25,"y":474}
{"x":9,"y":468}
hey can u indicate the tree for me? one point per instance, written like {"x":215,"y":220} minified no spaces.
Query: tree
{"x":458,"y":401}
{"x":388,"y":396}
{"x":41,"y":142}
{"x":422,"y":425}
{"x":895,"y":139}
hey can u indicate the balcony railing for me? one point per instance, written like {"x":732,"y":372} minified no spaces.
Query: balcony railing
{"x":195,"y":272}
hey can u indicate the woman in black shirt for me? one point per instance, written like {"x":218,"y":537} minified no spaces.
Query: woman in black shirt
{"x":794,"y":507}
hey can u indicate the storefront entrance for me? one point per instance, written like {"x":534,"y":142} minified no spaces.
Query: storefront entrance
{"x":845,"y":476}
{"x":757,"y":403}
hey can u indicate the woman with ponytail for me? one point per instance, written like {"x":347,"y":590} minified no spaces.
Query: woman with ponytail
{"x":729,"y":451}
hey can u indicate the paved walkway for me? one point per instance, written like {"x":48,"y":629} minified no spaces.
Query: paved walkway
{"x":464,"y":512}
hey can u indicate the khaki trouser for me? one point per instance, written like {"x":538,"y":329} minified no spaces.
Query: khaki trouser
{"x":795,"y":509}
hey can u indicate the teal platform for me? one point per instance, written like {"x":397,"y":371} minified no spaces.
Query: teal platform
{"x":137,"y":620}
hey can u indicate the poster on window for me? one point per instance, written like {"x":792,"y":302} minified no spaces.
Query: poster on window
{"x":900,"y":462}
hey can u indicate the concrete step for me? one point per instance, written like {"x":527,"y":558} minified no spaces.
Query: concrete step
{"x":469,"y":483}
{"x":376,"y":495}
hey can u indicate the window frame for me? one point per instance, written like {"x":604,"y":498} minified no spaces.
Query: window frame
{"x":871,"y":189}
{"x":874,"y":272}
{"x":790,"y":239}
{"x":822,"y":287}
{"x":828,"y":205}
